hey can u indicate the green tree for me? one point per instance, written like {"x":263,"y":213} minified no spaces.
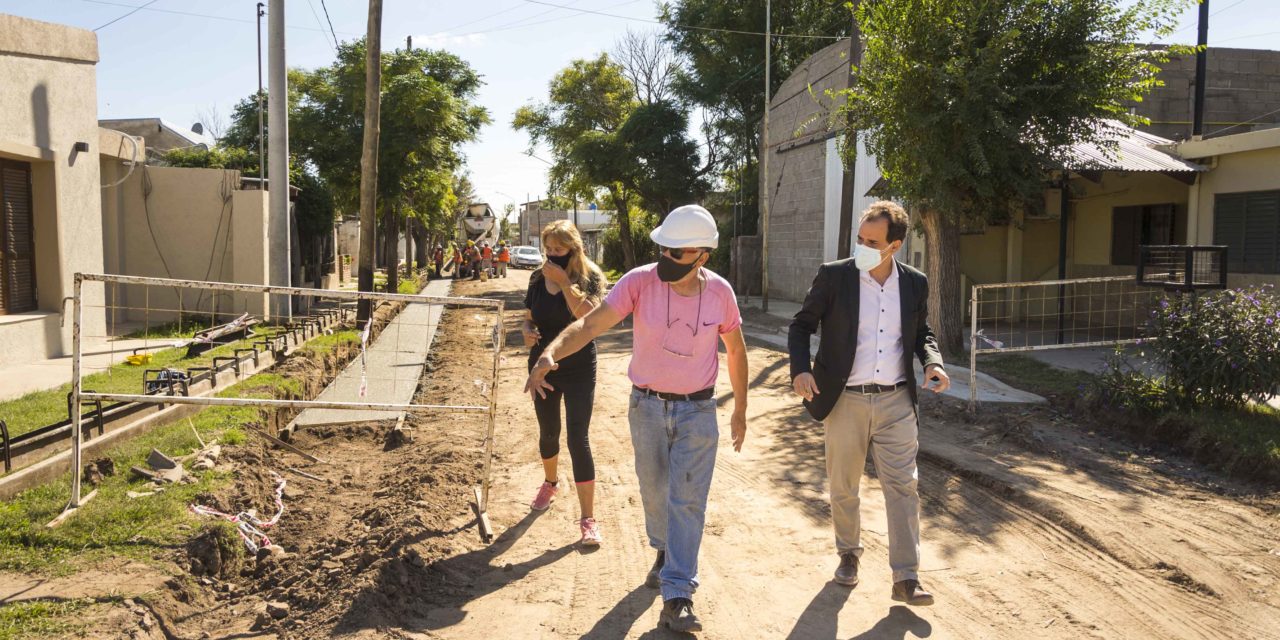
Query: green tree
{"x":589,"y":102}
{"x":723,"y":71}
{"x":664,"y":161}
{"x":967,"y":104}
{"x":428,"y":111}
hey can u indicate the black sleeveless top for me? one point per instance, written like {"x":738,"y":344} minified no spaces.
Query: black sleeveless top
{"x":551,"y":315}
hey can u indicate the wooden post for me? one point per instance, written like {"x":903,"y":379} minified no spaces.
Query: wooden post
{"x":369,"y":154}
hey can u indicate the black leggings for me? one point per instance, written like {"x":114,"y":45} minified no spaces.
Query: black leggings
{"x":578,"y":396}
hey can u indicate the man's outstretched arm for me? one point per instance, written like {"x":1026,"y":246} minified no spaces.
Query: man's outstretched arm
{"x":570,"y":341}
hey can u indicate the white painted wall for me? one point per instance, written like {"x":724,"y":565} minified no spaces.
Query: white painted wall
{"x":833,"y":181}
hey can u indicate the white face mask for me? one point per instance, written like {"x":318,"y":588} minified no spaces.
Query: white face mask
{"x":866,"y":258}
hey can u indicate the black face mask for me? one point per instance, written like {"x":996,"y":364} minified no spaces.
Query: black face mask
{"x":671,"y":271}
{"x":560,"y":261}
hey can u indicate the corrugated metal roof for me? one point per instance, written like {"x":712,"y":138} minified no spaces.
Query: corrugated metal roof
{"x":1132,"y":150}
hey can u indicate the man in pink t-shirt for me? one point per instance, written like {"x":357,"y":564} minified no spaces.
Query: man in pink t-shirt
{"x":682,"y":312}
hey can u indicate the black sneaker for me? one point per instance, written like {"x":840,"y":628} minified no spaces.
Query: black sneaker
{"x":652,"y":580}
{"x":677,"y":615}
{"x":847,"y":572}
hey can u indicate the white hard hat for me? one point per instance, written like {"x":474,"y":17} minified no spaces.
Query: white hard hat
{"x":688,"y":227}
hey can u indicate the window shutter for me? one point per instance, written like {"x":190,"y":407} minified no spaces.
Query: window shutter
{"x":1228,"y":227}
{"x":1262,"y":232}
{"x":17,"y":251}
{"x":1126,"y":228}
{"x":1249,"y":224}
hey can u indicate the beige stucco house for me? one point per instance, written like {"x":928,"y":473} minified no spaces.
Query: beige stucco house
{"x":1224,"y":190}
{"x":160,"y":134}
{"x":78,"y":197}
{"x":51,"y":182}
{"x":1237,"y":202}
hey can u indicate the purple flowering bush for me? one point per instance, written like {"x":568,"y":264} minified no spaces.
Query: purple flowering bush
{"x":1214,"y":350}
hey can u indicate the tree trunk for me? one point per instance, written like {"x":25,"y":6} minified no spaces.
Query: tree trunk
{"x":946,"y":313}
{"x":369,"y":152}
{"x":422,"y":245}
{"x":393,"y":260}
{"x":624,"y":229}
{"x":408,"y":248}
{"x":318,"y":268}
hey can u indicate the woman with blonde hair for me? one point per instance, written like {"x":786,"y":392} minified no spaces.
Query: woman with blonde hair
{"x":567,"y":287}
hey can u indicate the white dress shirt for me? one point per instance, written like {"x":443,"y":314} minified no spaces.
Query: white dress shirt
{"x":877,"y":358}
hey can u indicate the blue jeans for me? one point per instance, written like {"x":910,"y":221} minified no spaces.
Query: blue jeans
{"x":675,"y":447}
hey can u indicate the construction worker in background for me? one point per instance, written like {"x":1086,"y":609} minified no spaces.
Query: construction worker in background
{"x":437,"y":257}
{"x":456,"y":259}
{"x":473,"y":260}
{"x":486,"y":259}
{"x":504,"y":258}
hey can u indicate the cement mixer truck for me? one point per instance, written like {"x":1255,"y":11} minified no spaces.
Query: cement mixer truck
{"x":479,"y":224}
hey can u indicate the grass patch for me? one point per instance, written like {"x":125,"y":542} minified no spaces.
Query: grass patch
{"x":1029,"y":374}
{"x":169,"y":330}
{"x":407,"y":286}
{"x":43,"y":618}
{"x":112,"y":524}
{"x":1244,"y":443}
{"x":47,"y":406}
{"x":327,"y":343}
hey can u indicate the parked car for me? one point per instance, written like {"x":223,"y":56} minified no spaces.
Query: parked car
{"x":526,"y":257}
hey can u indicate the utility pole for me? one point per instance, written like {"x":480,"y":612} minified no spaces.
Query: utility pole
{"x":278,"y":104}
{"x":408,"y":43}
{"x":262,"y":149}
{"x":369,"y":155}
{"x":764,"y":167}
{"x":1202,"y":43}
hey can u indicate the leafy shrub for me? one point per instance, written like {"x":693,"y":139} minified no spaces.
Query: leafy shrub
{"x":1218,"y":350}
{"x":641,"y":224}
{"x":215,"y":158}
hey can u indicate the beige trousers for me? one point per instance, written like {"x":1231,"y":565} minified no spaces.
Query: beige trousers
{"x":886,"y":424}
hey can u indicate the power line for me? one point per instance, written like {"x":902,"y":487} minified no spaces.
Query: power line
{"x":471,"y":22}
{"x":1196,"y":22}
{"x":519,"y":24}
{"x":685,"y":26}
{"x":330,"y":21}
{"x":1253,"y":35}
{"x":135,"y":10}
{"x":1253,"y":119}
{"x":148,"y":7}
{"x":315,"y":15}
{"x":526,"y":18}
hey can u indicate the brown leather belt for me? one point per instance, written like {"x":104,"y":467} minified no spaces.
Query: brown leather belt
{"x":868,"y":389}
{"x":705,"y":394}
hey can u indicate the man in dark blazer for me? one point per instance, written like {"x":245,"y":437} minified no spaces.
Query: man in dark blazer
{"x":872,"y":312}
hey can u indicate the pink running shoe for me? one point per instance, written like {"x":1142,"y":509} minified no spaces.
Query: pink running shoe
{"x":590,"y":532}
{"x":545,"y":494}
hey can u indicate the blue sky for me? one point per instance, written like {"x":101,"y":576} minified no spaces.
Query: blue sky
{"x":159,"y":63}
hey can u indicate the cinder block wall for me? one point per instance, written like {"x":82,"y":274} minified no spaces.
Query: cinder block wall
{"x":799,"y":128}
{"x":1242,"y":84}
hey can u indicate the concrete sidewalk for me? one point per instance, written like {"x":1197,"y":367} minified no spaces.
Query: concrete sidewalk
{"x":771,"y":328}
{"x":19,"y":379}
{"x":391,"y":368}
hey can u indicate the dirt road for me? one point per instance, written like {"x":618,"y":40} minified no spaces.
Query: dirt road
{"x":1030,"y":529}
